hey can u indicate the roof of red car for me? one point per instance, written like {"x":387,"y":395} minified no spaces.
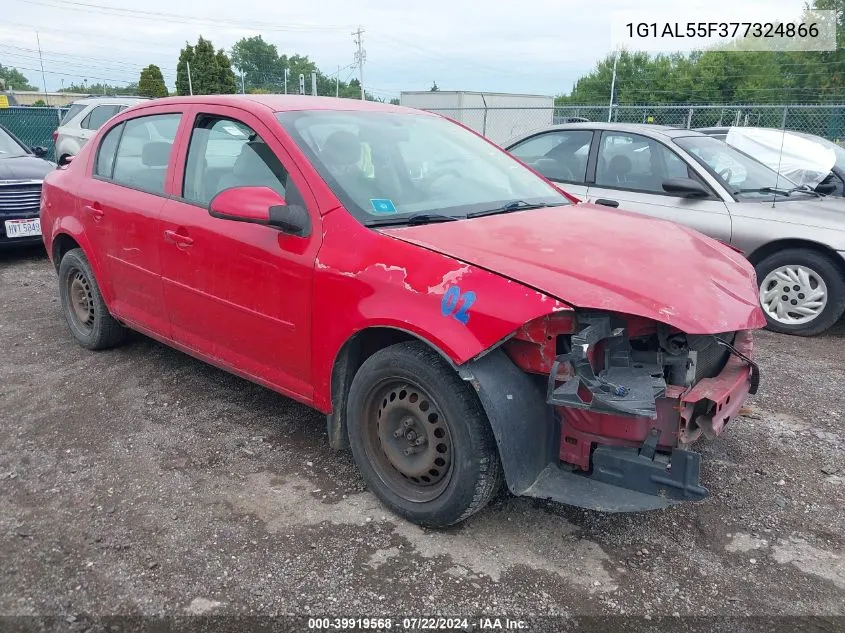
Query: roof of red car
{"x":279,"y":103}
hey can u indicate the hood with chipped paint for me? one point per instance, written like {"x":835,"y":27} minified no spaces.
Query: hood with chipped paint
{"x":593,"y":257}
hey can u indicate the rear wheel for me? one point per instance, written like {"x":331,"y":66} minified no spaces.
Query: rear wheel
{"x":85,"y":311}
{"x":420,"y":437}
{"x":801,"y":292}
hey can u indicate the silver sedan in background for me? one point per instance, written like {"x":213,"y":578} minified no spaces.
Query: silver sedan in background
{"x":794,"y":237}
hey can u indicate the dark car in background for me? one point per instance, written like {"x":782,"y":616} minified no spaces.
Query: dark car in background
{"x":22,"y":170}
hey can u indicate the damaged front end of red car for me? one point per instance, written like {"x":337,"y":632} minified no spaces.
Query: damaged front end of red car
{"x":607,"y":405}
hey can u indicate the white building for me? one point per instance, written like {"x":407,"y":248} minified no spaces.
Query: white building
{"x":498,"y":116}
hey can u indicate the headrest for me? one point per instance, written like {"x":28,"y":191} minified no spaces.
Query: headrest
{"x":342,"y":148}
{"x":620,"y":164}
{"x":254,"y":157}
{"x":156,"y":154}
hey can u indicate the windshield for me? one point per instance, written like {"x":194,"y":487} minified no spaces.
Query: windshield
{"x":838,"y":150}
{"x":386,"y":166}
{"x":740,"y":174}
{"x":9,"y":147}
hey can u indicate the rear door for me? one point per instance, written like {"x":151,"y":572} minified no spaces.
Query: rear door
{"x":93,"y":121}
{"x":236,"y":292}
{"x":560,"y":155}
{"x":120,"y":206}
{"x":629,"y":173}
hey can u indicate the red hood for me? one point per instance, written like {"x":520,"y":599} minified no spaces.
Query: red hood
{"x":593,"y":257}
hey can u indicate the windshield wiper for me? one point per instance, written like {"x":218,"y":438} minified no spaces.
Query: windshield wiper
{"x":781,"y":192}
{"x":806,"y":189}
{"x":516,"y":205}
{"x":415,"y":219}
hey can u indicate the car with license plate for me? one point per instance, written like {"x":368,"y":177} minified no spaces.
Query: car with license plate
{"x":456,"y":318}
{"x":794,"y":236}
{"x":22,"y":169}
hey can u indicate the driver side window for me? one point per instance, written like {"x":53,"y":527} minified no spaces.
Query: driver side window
{"x":225,"y":153}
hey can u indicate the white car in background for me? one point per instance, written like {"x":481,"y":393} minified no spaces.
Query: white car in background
{"x":84,"y":118}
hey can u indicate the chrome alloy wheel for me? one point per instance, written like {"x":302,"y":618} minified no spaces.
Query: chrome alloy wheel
{"x":793,"y":295}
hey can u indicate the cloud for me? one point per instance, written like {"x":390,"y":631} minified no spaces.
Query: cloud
{"x":540,"y":47}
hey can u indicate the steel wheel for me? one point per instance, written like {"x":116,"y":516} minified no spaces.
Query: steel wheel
{"x":793,"y":295}
{"x":81,"y":299}
{"x":407,"y":439}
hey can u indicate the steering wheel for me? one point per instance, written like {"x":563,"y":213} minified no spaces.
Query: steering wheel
{"x":437,"y":174}
{"x":726,"y":174}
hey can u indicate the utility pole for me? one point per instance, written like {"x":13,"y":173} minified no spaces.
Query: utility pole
{"x":337,"y":83}
{"x":243,"y":84}
{"x":612,"y":87}
{"x":360,"y":57}
{"x":287,"y":70}
{"x":43,"y":77}
{"x":190,"y":84}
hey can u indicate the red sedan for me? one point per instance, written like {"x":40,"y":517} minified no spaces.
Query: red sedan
{"x":456,"y":317}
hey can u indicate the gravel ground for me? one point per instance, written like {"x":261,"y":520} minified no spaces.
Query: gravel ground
{"x":141,"y":481}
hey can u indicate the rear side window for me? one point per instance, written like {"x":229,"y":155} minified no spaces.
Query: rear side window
{"x":107,"y":151}
{"x":98,"y":116}
{"x":74,"y":109}
{"x":143,"y":151}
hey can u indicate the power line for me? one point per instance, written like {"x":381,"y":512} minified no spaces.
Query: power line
{"x":176,"y":17}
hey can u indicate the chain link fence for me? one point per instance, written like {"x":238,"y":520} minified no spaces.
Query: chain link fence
{"x":502,"y":124}
{"x":33,"y":125}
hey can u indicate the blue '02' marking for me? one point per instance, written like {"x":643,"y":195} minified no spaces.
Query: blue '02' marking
{"x":449,"y":306}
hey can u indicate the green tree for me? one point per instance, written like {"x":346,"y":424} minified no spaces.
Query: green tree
{"x":394,"y":101}
{"x":102,"y":89}
{"x":39,"y":103}
{"x":434,"y":87}
{"x":258,"y":61}
{"x":13,"y":79}
{"x":151,"y":83}
{"x":210,"y":72}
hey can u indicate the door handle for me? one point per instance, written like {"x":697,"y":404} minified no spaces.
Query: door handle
{"x":607,"y":203}
{"x":174,"y":237}
{"x":94,"y":211}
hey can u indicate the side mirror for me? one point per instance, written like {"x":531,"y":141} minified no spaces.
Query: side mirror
{"x":39,"y":151}
{"x":260,"y":205}
{"x":65,"y":160}
{"x":685,"y":188}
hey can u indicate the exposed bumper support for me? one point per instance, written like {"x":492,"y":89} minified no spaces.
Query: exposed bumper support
{"x":624,"y":387}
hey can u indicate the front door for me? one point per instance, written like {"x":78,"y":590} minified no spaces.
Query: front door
{"x":629,"y":175}
{"x":236,"y":292}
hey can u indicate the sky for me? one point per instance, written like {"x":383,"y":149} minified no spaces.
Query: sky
{"x":530,"y":46}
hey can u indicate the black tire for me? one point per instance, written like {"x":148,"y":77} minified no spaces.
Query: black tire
{"x":822,"y":266}
{"x":79,"y":292}
{"x":424,"y":388}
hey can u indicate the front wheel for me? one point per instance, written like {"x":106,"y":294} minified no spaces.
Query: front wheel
{"x":801,"y":292}
{"x":420,"y":436}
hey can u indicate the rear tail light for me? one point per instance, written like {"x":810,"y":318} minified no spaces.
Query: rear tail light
{"x":55,"y":135}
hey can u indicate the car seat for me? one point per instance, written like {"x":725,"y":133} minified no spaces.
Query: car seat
{"x":618,"y":169}
{"x":255,"y":166}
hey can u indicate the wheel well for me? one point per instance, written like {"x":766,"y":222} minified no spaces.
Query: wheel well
{"x":61,"y":245}
{"x":354,"y":352}
{"x":773,"y":247}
